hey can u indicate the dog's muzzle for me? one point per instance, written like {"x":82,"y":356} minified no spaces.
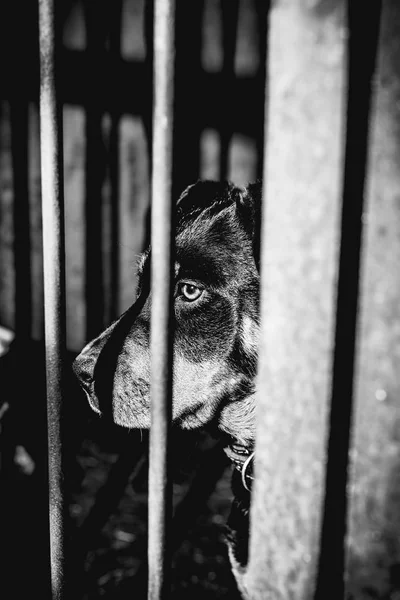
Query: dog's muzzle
{"x":83,"y":367}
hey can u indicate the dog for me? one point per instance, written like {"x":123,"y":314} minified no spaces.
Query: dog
{"x":216,"y":329}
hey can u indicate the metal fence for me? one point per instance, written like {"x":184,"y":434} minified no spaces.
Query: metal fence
{"x":310,"y":272}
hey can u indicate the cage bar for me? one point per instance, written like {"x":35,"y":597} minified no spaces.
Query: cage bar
{"x":161,"y":299}
{"x":362,"y":52}
{"x":300,"y":235}
{"x":54,"y":282}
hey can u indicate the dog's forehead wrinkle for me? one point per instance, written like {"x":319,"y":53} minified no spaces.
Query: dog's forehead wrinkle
{"x":204,"y":224}
{"x":205,"y":198}
{"x":220,"y":258}
{"x":207,"y":216}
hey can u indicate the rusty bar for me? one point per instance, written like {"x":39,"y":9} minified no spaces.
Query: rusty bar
{"x":54,"y":282}
{"x":362,"y":52}
{"x":161,"y":299}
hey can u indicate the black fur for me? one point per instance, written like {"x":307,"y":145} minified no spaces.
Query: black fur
{"x":237,"y":530}
{"x":215,"y":336}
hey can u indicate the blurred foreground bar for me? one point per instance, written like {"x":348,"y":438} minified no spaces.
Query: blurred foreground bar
{"x":300,"y":236}
{"x":54,"y":282}
{"x":362,"y":51}
{"x":161,"y":277}
{"x":297,"y":539}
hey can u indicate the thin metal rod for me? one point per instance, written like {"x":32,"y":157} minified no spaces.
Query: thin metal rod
{"x":54,"y":282}
{"x":161,"y":299}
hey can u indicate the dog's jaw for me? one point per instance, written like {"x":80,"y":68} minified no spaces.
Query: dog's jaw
{"x":238,"y":420}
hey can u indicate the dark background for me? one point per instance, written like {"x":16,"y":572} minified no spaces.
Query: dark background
{"x":105,"y":86}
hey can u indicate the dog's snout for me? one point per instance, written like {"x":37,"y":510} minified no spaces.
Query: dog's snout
{"x":85,"y":363}
{"x":83,"y":367}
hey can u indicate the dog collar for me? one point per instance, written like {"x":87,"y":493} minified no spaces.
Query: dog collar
{"x":243,"y":460}
{"x":246,"y":472}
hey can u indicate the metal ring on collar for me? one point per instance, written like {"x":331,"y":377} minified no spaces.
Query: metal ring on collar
{"x":244,"y":469}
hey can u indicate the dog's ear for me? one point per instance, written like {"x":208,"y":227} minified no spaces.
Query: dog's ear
{"x":212,"y":196}
{"x":203,"y":194}
{"x":248,"y":208}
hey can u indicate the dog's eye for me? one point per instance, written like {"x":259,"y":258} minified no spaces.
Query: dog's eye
{"x":190,"y":292}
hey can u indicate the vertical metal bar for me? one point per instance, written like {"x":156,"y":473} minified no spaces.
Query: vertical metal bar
{"x":362,"y":51}
{"x":301,"y":206}
{"x":54,"y":281}
{"x":161,"y":299}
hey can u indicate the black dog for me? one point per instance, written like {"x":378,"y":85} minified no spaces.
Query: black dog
{"x":216,"y":330}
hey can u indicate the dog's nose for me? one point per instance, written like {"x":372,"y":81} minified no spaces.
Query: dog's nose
{"x":85,"y":363}
{"x":83,"y":367}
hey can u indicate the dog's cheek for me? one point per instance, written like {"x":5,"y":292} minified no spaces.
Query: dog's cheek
{"x":206,"y":332}
{"x":131,"y":397}
{"x":249,"y":334}
{"x":196,"y":392}
{"x":84,"y":364}
{"x":237,"y":419}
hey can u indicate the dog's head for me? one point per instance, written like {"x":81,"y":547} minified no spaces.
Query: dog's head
{"x":215,"y":322}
